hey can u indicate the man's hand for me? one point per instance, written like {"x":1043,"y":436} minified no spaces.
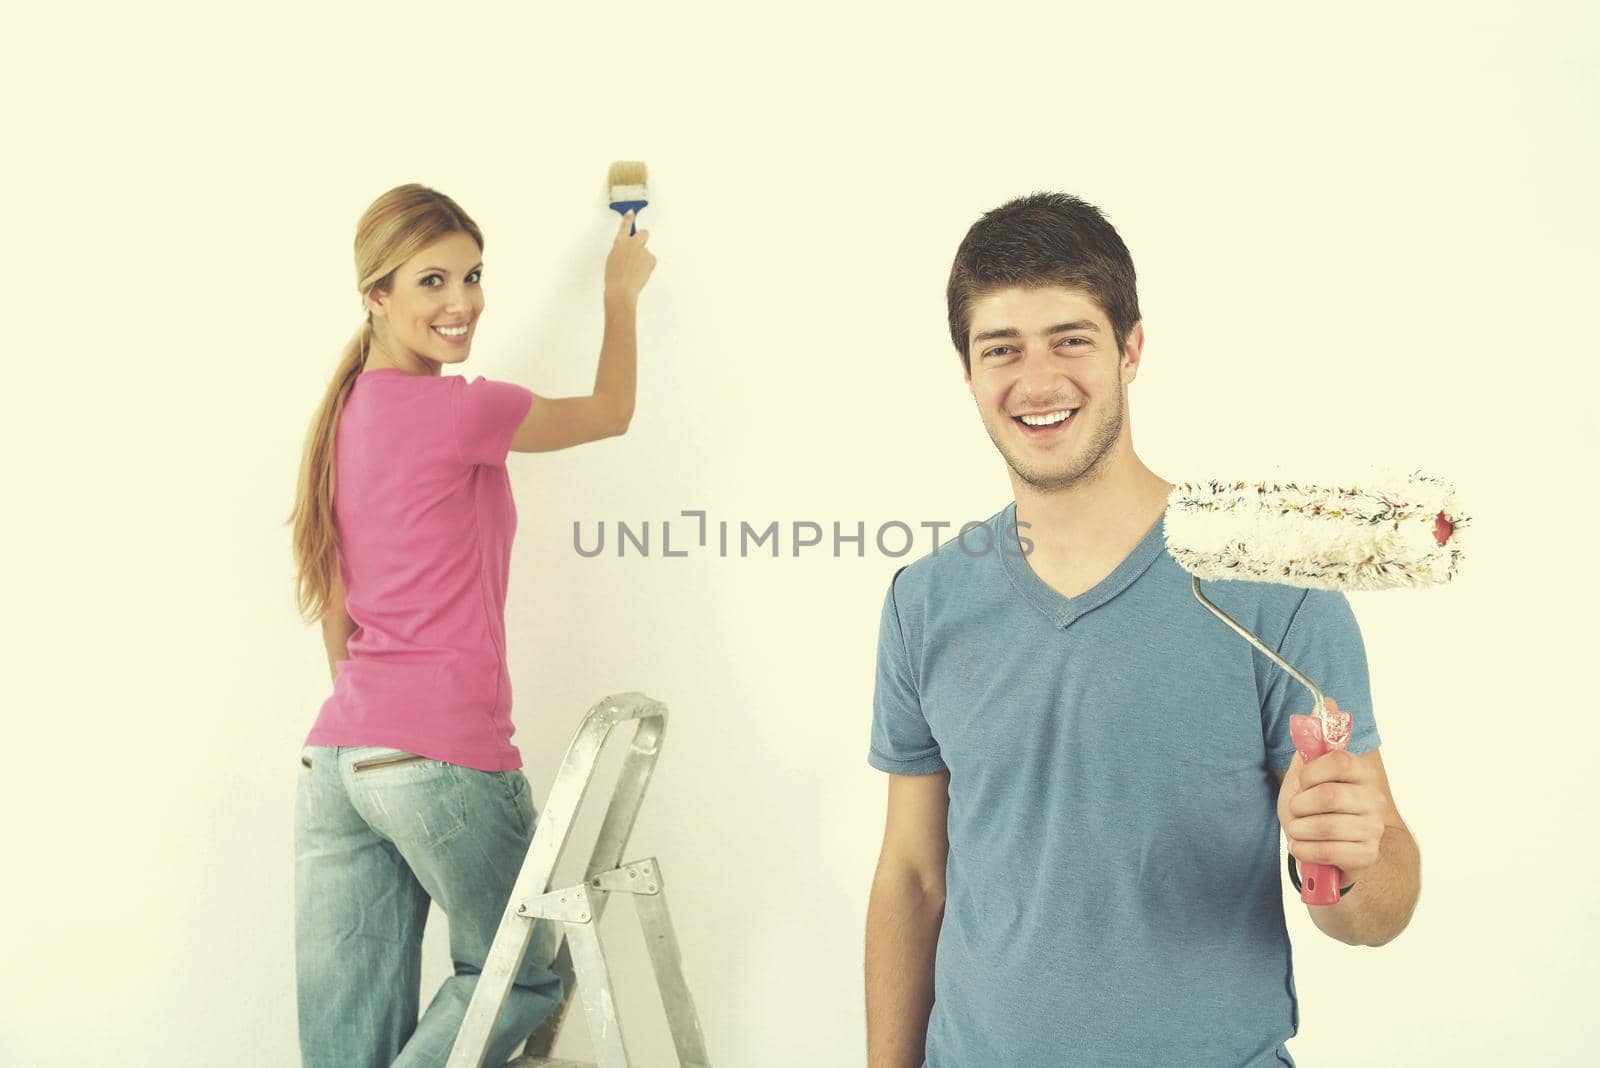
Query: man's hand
{"x":1327,"y":809}
{"x":1332,"y":811}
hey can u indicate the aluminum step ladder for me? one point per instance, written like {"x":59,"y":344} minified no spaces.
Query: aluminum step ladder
{"x":580,"y":960}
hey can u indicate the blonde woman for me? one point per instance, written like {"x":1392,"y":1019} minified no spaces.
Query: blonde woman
{"x":410,"y":788}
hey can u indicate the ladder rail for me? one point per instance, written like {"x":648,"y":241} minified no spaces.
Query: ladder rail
{"x":662,"y":942}
{"x":579,"y":908}
{"x":595,"y":990}
{"x":615,"y":831}
{"x":551,"y":836}
{"x":626,"y":801}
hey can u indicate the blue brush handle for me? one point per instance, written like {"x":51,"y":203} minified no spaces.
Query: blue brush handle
{"x":622,"y":207}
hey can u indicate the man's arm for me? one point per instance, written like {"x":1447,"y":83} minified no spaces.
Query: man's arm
{"x":903,"y":919}
{"x":1342,"y":813}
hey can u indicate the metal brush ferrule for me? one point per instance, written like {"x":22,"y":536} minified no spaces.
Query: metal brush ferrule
{"x":1322,"y":706}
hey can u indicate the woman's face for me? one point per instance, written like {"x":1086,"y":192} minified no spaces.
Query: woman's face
{"x":430,"y":316}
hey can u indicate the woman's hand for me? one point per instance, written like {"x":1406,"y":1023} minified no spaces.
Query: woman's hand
{"x":628,"y":266}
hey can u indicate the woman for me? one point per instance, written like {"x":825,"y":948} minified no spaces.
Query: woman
{"x":410,"y":788}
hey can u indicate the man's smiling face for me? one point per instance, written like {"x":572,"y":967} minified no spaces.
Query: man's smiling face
{"x":1048,"y":380}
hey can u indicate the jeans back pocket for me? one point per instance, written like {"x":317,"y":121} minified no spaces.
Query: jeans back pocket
{"x":413,"y":801}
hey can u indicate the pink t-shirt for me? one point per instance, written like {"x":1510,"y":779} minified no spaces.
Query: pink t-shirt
{"x":422,"y":503}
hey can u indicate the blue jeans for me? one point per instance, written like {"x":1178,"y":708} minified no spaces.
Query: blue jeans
{"x":372,"y":847}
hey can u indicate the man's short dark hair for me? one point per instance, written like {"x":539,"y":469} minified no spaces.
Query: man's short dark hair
{"x":1043,"y":239}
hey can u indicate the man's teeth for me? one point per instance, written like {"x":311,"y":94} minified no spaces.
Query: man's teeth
{"x":451,"y":331}
{"x":1048,"y":420}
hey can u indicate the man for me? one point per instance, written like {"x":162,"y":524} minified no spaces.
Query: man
{"x":1088,"y":771}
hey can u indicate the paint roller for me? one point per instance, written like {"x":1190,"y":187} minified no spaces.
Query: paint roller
{"x":1391,"y":532}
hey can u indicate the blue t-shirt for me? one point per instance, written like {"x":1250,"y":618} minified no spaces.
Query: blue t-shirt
{"x":1112,"y":888}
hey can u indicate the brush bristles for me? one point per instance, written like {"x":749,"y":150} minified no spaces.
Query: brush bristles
{"x":1377,"y":536}
{"x":626,"y":172}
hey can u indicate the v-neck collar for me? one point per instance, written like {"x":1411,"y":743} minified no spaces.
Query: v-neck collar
{"x":1062,"y":611}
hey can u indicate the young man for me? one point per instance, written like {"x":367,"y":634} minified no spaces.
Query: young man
{"x":1088,"y":771}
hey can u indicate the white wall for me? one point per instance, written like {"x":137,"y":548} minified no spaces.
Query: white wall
{"x":1363,"y":234}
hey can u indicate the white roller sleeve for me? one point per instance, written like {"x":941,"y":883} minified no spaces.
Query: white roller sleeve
{"x":1373,"y":535}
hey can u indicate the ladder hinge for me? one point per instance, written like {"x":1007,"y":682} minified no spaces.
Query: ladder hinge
{"x":635,"y":877}
{"x":570,"y":905}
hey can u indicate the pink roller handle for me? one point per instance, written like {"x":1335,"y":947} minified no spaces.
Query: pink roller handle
{"x":1319,"y":883}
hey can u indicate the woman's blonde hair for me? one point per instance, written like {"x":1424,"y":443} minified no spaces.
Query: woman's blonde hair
{"x":396,"y":227}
